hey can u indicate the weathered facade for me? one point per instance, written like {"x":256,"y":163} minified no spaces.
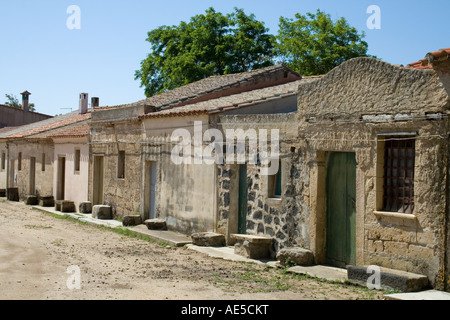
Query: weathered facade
{"x":132,"y":169}
{"x":378,"y":134}
{"x":28,"y":155}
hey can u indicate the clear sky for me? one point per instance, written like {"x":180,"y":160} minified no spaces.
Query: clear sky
{"x":39,"y":53}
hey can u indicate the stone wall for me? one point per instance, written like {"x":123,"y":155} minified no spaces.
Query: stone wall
{"x":121,"y":193}
{"x":351,"y":109}
{"x":365,"y":86}
{"x":20,"y":177}
{"x":278,"y":218}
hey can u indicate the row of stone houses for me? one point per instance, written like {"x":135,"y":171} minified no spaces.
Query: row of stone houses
{"x":361,"y":152}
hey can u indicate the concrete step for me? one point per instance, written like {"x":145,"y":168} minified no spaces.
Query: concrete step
{"x":386,"y":278}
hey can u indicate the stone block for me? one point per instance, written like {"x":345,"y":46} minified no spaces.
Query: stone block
{"x":12,"y":194}
{"x":131,"y":220}
{"x":58,"y":205}
{"x":208,"y":239}
{"x":85,"y":207}
{"x":156,"y":224}
{"x":68,"y":206}
{"x":253,"y":247}
{"x":388,"y":278}
{"x":47,"y":201}
{"x":31,"y":200}
{"x":102,"y":212}
{"x":296,"y":255}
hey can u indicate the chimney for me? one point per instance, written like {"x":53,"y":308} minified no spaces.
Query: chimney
{"x":95,"y":102}
{"x":25,"y":98}
{"x":83,"y":107}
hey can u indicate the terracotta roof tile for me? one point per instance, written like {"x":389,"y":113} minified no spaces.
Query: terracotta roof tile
{"x":75,"y":131}
{"x":431,"y":57}
{"x":236,"y":101}
{"x":42,"y":127}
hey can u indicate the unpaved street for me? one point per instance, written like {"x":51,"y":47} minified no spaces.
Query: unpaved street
{"x":38,"y":253}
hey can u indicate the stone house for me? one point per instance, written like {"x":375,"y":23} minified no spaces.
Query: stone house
{"x":131,"y":147}
{"x":28,"y":154}
{"x":371,"y":157}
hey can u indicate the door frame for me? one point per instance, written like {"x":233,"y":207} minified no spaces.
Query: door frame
{"x":340,"y":242}
{"x":317,"y":203}
{"x":150,"y":190}
{"x":61,"y":178}
{"x":98,"y":179}
{"x":243,"y":199}
{"x":32,"y":177}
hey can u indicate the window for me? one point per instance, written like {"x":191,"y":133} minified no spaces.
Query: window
{"x":19,"y":162}
{"x":43,"y":162}
{"x":398,"y":178}
{"x":77,"y":160}
{"x":274,"y":184}
{"x":3,"y":161}
{"x":121,"y":165}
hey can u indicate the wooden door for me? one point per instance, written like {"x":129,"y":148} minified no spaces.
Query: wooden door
{"x":61,"y":179}
{"x":243,"y":193}
{"x":341,"y":209}
{"x":98,"y":180}
{"x":152,"y":195}
{"x":32,"y":176}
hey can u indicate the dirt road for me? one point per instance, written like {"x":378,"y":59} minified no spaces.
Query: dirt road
{"x":47,"y":258}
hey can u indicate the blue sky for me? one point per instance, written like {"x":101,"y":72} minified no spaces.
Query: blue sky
{"x":40,"y":54}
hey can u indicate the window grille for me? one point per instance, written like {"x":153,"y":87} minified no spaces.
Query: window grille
{"x":399,"y":176}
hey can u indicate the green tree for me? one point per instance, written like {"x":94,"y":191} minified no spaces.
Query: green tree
{"x":209,"y":44}
{"x":314,"y":44}
{"x":12,"y":101}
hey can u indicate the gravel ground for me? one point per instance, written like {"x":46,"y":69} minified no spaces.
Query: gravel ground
{"x":41,"y":256}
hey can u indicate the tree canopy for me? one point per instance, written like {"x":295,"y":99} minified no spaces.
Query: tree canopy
{"x":210,"y":44}
{"x":216,"y":44}
{"x":313,"y":44}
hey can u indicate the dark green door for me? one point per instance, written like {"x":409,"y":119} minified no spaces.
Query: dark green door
{"x":341,"y":209}
{"x":243,"y":191}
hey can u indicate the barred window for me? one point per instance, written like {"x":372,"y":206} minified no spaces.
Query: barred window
{"x":398,"y":181}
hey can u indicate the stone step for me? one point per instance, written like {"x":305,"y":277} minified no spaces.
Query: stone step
{"x":387,"y":278}
{"x":156,"y":224}
{"x":208,"y":239}
{"x":252,"y":246}
{"x":102,"y":212}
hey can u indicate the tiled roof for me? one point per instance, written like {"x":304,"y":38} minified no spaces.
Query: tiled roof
{"x":79,"y":130}
{"x":430,"y":58}
{"x":42,"y":127}
{"x":232,"y":102}
{"x":214,"y":84}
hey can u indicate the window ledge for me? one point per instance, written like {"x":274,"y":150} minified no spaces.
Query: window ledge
{"x":406,"y":216}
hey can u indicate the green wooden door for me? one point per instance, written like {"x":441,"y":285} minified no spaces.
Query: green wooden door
{"x":243,"y":191}
{"x":341,"y":209}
